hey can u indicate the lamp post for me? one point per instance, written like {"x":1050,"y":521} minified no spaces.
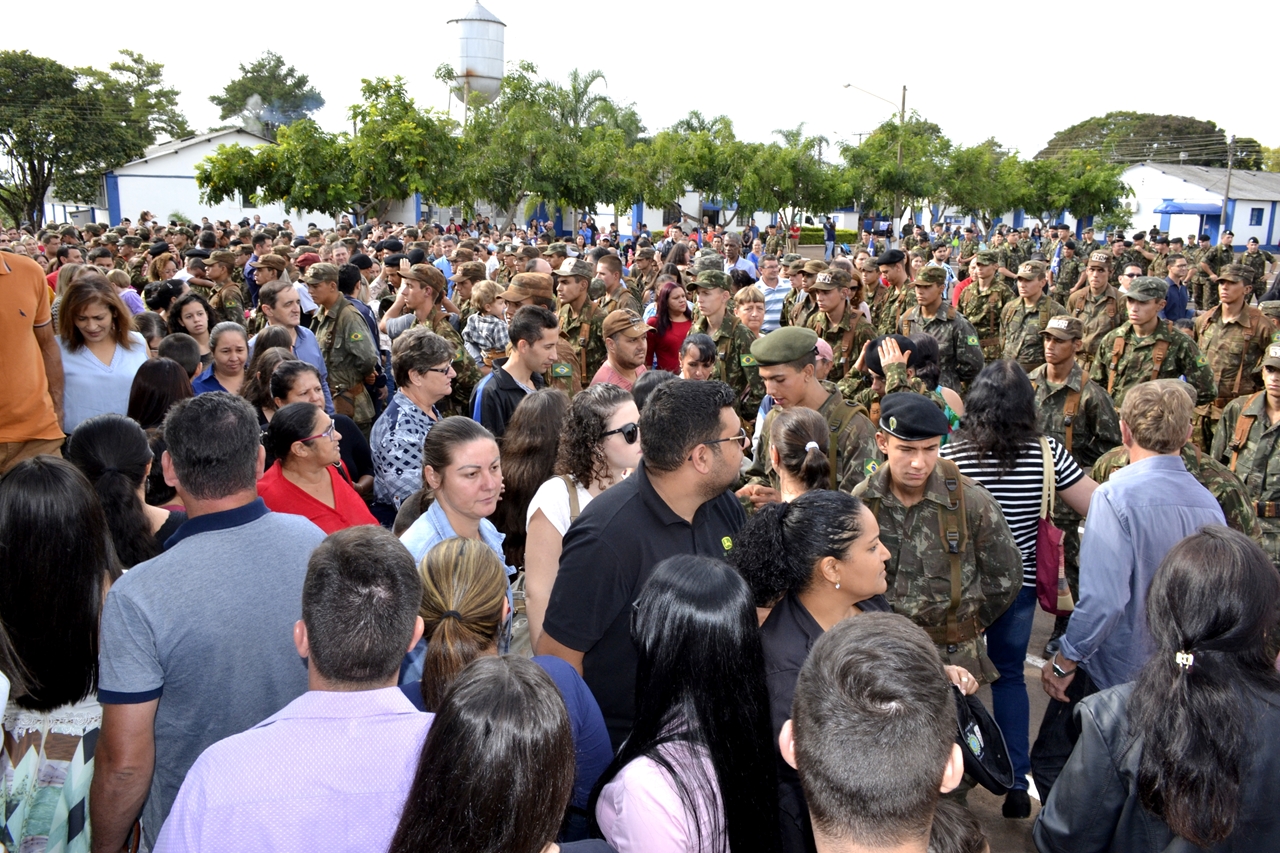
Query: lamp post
{"x":902,"y":124}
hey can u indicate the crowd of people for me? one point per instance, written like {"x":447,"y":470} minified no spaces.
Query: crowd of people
{"x":455,"y":538}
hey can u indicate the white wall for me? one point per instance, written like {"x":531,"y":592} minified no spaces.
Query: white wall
{"x":1243,"y":230}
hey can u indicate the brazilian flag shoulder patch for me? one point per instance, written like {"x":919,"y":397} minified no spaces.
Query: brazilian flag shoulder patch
{"x":869,"y":467}
{"x":561,"y":370}
{"x":1275,"y":339}
{"x":356,"y":336}
{"x":972,"y":340}
{"x":748,"y":360}
{"x":1201,"y":360}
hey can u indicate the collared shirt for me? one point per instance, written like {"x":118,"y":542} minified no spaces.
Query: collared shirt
{"x":307,"y":348}
{"x":396,"y":441}
{"x":774,"y":297}
{"x":1176,"y":299}
{"x":1134,"y":519}
{"x":433,"y":527}
{"x":269,"y":789}
{"x":742,"y":264}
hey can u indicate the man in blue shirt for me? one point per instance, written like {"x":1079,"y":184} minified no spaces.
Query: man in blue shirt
{"x":1175,"y":302}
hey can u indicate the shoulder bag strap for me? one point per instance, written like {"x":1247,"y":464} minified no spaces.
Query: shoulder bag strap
{"x":1117,"y":350}
{"x":1243,"y":425}
{"x":952,"y":527}
{"x":1047,"y":490}
{"x":574,"y":509}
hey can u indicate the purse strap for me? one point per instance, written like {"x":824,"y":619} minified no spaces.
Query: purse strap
{"x":1046,"y":490}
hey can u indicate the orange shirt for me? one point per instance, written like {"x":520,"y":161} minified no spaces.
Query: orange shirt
{"x":26,"y":410}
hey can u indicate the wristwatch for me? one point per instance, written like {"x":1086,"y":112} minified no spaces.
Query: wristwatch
{"x":1059,"y":672}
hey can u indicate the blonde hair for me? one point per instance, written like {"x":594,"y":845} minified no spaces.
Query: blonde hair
{"x":748,"y":294}
{"x":463,"y":587}
{"x":1158,"y":413}
{"x":485,"y":293}
{"x":119,"y":278}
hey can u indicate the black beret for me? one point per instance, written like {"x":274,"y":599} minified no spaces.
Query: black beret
{"x":891,"y":257}
{"x":912,"y":417}
{"x":158,"y":249}
{"x":905,"y":344}
{"x":362,"y":261}
{"x":299,"y":241}
{"x":417,"y":256}
{"x":392,"y":245}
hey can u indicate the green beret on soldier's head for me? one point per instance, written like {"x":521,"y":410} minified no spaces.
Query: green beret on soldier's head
{"x":912,"y":417}
{"x":784,"y":345}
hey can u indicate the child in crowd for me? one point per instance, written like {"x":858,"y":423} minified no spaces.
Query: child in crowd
{"x":485,"y":335}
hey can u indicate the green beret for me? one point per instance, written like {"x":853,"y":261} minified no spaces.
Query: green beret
{"x":1147,"y":288}
{"x":912,"y":417}
{"x":784,"y":345}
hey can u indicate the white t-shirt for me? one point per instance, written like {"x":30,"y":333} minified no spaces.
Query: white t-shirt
{"x":552,"y":498}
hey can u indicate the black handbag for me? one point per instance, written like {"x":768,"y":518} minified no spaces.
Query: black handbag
{"x":986,"y":758}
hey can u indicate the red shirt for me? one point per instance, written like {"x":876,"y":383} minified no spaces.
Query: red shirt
{"x":667,"y":347}
{"x":957,"y":290}
{"x":348,"y":510}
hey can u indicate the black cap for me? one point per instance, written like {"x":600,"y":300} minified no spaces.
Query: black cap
{"x":362,"y":261}
{"x":986,"y":758}
{"x":299,"y":241}
{"x":202,"y":254}
{"x":158,"y":249}
{"x":392,"y":245}
{"x":905,"y":344}
{"x":416,"y":256}
{"x":1206,"y":237}
{"x":1228,"y":232}
{"x":891,"y":257}
{"x":912,"y":417}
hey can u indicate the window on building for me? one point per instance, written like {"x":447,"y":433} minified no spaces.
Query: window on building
{"x":1255,"y":216}
{"x":246,"y":201}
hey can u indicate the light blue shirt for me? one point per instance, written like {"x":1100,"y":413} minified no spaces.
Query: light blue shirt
{"x":773,"y":300}
{"x":92,"y":388}
{"x":1134,"y":519}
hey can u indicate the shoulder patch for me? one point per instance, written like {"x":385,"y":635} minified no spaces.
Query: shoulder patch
{"x":561,"y":370}
{"x":356,"y":336}
{"x":870,"y":466}
{"x":1275,"y":339}
{"x":1201,"y":360}
{"x":972,"y":340}
{"x":748,"y":360}
{"x":726,"y":542}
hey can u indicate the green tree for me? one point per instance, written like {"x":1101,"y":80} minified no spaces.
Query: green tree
{"x":982,"y":181}
{"x":1132,"y":137}
{"x":790,"y":177}
{"x":59,"y":131}
{"x":1271,"y":159}
{"x":695,"y":154}
{"x":1082,"y":183}
{"x":268,"y":95}
{"x":153,"y":106}
{"x":875,"y":169}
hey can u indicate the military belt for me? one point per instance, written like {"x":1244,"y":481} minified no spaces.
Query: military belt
{"x":968,"y":628}
{"x":1267,"y":509}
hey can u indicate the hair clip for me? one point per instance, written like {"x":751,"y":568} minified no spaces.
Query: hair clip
{"x":1185,"y":659}
{"x":813,"y":445}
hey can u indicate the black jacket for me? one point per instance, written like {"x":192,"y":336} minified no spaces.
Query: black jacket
{"x":1094,"y":805}
{"x":499,"y":396}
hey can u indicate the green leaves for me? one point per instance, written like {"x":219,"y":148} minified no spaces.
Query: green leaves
{"x":268,"y":95}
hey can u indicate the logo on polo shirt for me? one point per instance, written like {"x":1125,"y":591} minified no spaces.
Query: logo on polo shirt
{"x":726,"y":542}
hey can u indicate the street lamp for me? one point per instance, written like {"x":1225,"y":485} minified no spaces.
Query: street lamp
{"x":902,"y":123}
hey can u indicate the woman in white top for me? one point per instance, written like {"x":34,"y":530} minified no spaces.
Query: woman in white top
{"x":100,"y":352}
{"x":599,"y":446}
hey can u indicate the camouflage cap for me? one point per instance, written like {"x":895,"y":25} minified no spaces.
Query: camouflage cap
{"x":647,"y":253}
{"x":796,"y":266}
{"x":912,"y":417}
{"x":703,"y":263}
{"x":576,"y":266}
{"x":131,"y":241}
{"x":529,"y":285}
{"x":624,"y":322}
{"x":986,"y":257}
{"x":471,"y":271}
{"x":222,"y":256}
{"x":271,"y":261}
{"x":1064,"y":327}
{"x":790,"y":258}
{"x":869,"y":265}
{"x":831,"y":280}
{"x":931,"y":275}
{"x":1147,"y":288}
{"x":814,"y":267}
{"x":1271,"y":308}
{"x":708,"y":252}
{"x":1239,"y":273}
{"x":1031,"y":270}
{"x":1100,"y":260}
{"x":710,"y":278}
{"x":1271,"y":358}
{"x":556,"y":249}
{"x":784,"y":345}
{"x":319,"y":272}
{"x":111,"y":237}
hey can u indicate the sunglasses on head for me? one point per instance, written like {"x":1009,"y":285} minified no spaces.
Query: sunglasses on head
{"x":629,"y":433}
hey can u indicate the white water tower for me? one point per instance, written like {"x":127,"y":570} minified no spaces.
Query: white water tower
{"x":480,"y":64}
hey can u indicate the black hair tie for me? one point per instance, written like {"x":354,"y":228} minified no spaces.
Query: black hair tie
{"x":455,"y":614}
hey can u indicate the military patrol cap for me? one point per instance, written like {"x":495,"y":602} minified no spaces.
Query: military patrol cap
{"x":222,"y":256}
{"x":528,"y":285}
{"x":1100,"y":260}
{"x":905,"y":344}
{"x":912,"y":417}
{"x":113,"y":237}
{"x":831,"y":280}
{"x":1271,"y":308}
{"x":319,"y":272}
{"x":576,"y":266}
{"x":625,"y":322}
{"x":1031,"y":270}
{"x":891,"y":257}
{"x":1238,"y":273}
{"x":1271,"y":358}
{"x":471,"y":271}
{"x":814,"y":267}
{"x":929,"y":276}
{"x":796,"y":265}
{"x":647,"y":253}
{"x":710,"y":278}
{"x":556,"y":249}
{"x":1147,"y":288}
{"x":131,"y":240}
{"x":784,"y":345}
{"x":869,"y":265}
{"x":1064,"y":327}
{"x":986,"y":257}
{"x":790,"y":258}
{"x":708,"y":252}
{"x":271,"y":261}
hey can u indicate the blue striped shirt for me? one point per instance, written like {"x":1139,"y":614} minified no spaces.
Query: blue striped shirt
{"x":773,"y":299}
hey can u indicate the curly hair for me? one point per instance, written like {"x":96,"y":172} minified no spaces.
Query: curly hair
{"x":581,"y":452}
{"x":1000,"y":414}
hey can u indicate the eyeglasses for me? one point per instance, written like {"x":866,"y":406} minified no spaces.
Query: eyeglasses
{"x":744,"y":440}
{"x":443,"y":371}
{"x":326,"y":434}
{"x":629,"y":433}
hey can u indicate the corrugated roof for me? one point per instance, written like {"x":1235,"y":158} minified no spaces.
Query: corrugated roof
{"x":187,"y":141}
{"x":1260,"y":186}
{"x":478,"y":13}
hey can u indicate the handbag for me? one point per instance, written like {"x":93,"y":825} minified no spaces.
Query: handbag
{"x":1051,"y":569}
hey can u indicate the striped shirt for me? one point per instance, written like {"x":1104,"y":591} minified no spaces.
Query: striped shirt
{"x":1018,"y":490}
{"x":773,"y":299}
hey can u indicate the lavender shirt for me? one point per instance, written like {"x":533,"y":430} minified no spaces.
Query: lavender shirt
{"x":329,"y":771}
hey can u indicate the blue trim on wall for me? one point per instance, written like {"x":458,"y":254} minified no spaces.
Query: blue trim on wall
{"x":417,"y":208}
{"x":113,"y":198}
{"x":637,"y":216}
{"x":1019,"y":216}
{"x":1212,"y":227}
{"x":1231,"y":215}
{"x":1271,"y":225}
{"x":1164,"y":218}
{"x":169,"y":177}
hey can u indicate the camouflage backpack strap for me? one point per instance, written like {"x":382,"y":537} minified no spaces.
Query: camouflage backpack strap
{"x":1117,"y":350}
{"x":906,"y":326}
{"x":1069,"y":410}
{"x":846,"y":344}
{"x":844,"y":413}
{"x":1243,"y":425}
{"x":1044,"y":313}
{"x":953,"y":528}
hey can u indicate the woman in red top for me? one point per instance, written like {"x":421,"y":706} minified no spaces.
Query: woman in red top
{"x":671,"y":325}
{"x":307,"y":477}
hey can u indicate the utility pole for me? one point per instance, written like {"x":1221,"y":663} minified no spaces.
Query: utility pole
{"x":902,"y":129}
{"x":1226,"y":193}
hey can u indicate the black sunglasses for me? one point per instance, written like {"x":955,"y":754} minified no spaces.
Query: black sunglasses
{"x":629,"y":432}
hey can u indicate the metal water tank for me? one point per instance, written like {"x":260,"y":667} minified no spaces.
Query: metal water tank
{"x":480,"y":65}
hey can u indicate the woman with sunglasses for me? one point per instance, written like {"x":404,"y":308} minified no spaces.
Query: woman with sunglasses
{"x":305,"y":478}
{"x":599,"y":446}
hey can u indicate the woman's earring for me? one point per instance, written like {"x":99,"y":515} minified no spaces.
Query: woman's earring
{"x":837,"y":584}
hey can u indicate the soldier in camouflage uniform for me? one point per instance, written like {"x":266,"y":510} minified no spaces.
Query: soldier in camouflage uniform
{"x":959,"y":352}
{"x":901,"y":295}
{"x":1147,"y":347}
{"x":644,"y":272}
{"x":1214,"y":261}
{"x":1138,"y":253}
{"x":1203,"y":291}
{"x":786,"y":363}
{"x":1023,"y":319}
{"x":1010,"y":257}
{"x":535,"y":288}
{"x":350,"y":355}
{"x":735,"y":366}
{"x":1159,"y":265}
{"x":983,"y":300}
{"x":228,"y":298}
{"x":1087,"y":244}
{"x":1233,"y":335}
{"x":1098,"y":306}
{"x":949,"y":530}
{"x":837,"y":322}
{"x":619,"y":298}
{"x":1261,"y":262}
{"x":506,"y":266}
{"x":1271,"y":310}
{"x":1070,"y":268}
{"x":799,"y":306}
{"x":581,"y":320}
{"x":1248,"y":443}
{"x":968,"y":249}
{"x":774,"y":242}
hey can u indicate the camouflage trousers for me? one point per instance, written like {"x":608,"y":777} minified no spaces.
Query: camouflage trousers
{"x":972,"y":655}
{"x":1068,"y":521}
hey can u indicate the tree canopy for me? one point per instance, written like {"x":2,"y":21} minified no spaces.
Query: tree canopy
{"x":268,"y":95}
{"x":1132,"y":137}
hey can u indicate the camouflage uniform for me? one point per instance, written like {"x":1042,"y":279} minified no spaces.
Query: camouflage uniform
{"x":982,"y":309}
{"x":1234,"y":350}
{"x":735,"y":366}
{"x":898,"y":301}
{"x":798,"y":308}
{"x":846,"y":338}
{"x":966,"y":251}
{"x":1217,"y":257}
{"x":1203,"y":290}
{"x":622,"y":300}
{"x":350,"y":355}
{"x":878,"y":301}
{"x":1069,"y":270}
{"x":959,"y":352}
{"x":1020,"y":329}
{"x":1257,"y":463}
{"x":228,"y":304}
{"x":852,"y":435}
{"x":775,"y":245}
{"x":1226,"y":488}
{"x":1259,"y":262}
{"x":1095,"y":429}
{"x":919,"y":568}
{"x":587,"y":324}
{"x":1100,"y":313}
{"x":1136,"y":362}
{"x":1159,"y":266}
{"x":1085,"y":248}
{"x":1131,"y":256}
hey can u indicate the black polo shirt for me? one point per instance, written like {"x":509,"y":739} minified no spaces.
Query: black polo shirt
{"x":608,"y":554}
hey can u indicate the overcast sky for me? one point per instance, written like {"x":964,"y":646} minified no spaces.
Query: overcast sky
{"x":968,"y":67}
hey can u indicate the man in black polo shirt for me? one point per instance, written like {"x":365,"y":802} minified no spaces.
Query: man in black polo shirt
{"x":677,"y":502}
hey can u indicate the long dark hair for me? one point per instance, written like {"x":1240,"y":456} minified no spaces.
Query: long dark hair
{"x":581,"y":452}
{"x":175,"y":313}
{"x":112,"y":452}
{"x":778,"y":549}
{"x":700,"y":680}
{"x":926,"y":359}
{"x":293,"y":423}
{"x":497,"y":767}
{"x":676,"y":255}
{"x":1000,"y":414}
{"x":1216,"y":597}
{"x":56,"y":550}
{"x":257,"y":383}
{"x":663,"y":303}
{"x":529,"y":448}
{"x":158,"y":384}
